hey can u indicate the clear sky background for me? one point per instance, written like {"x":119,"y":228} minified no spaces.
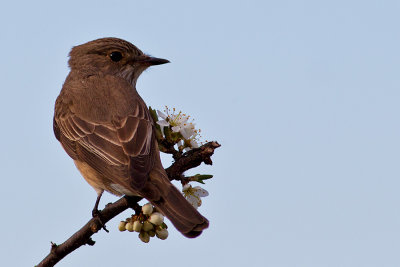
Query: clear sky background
{"x":303,"y":96}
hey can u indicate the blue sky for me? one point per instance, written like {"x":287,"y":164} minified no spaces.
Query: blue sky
{"x":302,"y":95}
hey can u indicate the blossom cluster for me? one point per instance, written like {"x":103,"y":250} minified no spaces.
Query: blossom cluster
{"x":181,"y":123}
{"x":148,"y":223}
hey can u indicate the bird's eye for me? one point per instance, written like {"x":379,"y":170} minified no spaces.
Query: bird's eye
{"x":116,"y":56}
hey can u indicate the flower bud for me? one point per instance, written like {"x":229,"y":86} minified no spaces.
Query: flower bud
{"x":144,"y":237}
{"x":147,"y":226}
{"x":137,"y":226}
{"x":156,"y":218}
{"x":186,"y":187}
{"x":162,"y":234}
{"x":129,"y":227}
{"x":151,"y":233}
{"x":121,"y":226}
{"x":147,"y":209}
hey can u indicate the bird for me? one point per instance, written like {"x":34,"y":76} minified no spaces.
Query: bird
{"x":106,"y":128}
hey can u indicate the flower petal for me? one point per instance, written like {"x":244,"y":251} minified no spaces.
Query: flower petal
{"x":189,"y":131}
{"x":163,"y":123}
{"x":194,"y":144}
{"x":176,"y":129}
{"x":185,"y":133}
{"x":195,"y":201}
{"x":161,"y":114}
{"x":200,"y":192}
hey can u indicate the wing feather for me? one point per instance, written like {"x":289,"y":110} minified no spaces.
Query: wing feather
{"x":83,"y":125}
{"x":108,"y":134}
{"x":126,"y":133}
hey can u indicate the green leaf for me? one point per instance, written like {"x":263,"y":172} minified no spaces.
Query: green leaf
{"x":201,"y":177}
{"x":176,"y":137}
{"x":204,"y":176}
{"x":153,"y":114}
{"x":159,"y":135}
{"x":167,"y":133}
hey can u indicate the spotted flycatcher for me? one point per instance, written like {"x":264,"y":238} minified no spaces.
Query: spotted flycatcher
{"x":106,"y":128}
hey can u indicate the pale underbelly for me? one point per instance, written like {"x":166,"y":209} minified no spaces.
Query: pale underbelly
{"x":100,"y":184}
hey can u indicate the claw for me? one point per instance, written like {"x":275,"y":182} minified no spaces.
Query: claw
{"x":96,"y":213}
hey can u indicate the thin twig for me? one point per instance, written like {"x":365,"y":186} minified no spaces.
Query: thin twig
{"x":191,"y":159}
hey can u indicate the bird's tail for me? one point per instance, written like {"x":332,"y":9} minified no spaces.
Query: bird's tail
{"x":169,"y":201}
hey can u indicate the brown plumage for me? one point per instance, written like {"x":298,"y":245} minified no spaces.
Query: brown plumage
{"x":105,"y":127}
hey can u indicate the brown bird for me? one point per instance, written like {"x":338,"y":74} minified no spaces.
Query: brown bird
{"x":106,"y":128}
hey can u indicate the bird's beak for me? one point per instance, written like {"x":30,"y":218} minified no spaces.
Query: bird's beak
{"x":154,"y":61}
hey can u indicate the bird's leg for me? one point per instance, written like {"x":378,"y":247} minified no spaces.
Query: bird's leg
{"x":96,"y":213}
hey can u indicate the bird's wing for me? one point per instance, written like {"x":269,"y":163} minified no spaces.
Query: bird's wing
{"x":119,"y":149}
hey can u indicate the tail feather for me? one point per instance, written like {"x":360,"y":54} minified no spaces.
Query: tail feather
{"x":169,"y":201}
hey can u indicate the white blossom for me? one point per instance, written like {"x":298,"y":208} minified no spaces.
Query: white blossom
{"x":192,"y":141}
{"x":178,"y":122}
{"x":188,"y":130}
{"x":194,"y":194}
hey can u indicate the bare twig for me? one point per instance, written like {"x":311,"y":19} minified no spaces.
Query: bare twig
{"x":191,"y":159}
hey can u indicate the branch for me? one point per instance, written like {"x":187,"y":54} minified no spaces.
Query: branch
{"x":82,"y":237}
{"x":191,"y":159}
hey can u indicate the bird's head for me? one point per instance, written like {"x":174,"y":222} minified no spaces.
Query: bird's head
{"x":111,"y":56}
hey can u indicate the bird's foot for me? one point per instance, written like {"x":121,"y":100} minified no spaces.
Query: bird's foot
{"x":97,"y":214}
